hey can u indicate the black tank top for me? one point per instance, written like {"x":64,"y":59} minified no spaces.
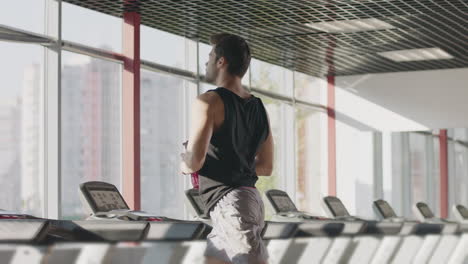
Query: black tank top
{"x":230,"y":160}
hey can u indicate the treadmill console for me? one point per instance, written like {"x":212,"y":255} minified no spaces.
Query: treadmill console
{"x":285,"y":209}
{"x":105,"y":201}
{"x":102,"y":197}
{"x":422,"y":211}
{"x":280,"y":201}
{"x":335,"y":207}
{"x":384,"y":210}
{"x":460,"y":212}
{"x":425,"y":214}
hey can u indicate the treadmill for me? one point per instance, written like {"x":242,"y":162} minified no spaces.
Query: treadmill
{"x":446,"y":242}
{"x":417,"y":241}
{"x":49,"y":230}
{"x":365,"y":244}
{"x":111,"y":218}
{"x":460,"y":253}
{"x":272,"y":230}
{"x":461,"y":213}
{"x":385,"y":212}
{"x":425,"y":214}
{"x":315,"y":234}
{"x":278,"y":235}
{"x":336,"y":209}
{"x":27,"y":239}
{"x":22,"y":228}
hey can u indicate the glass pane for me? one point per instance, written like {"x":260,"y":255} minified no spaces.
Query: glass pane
{"x":418,"y":167}
{"x":91,"y":126}
{"x":354,"y":169}
{"x":204,"y":87}
{"x":277,"y":113}
{"x":271,"y":78}
{"x":163,"y":123}
{"x":460,"y":134}
{"x":204,"y":51}
{"x":164,"y":48}
{"x":25,"y":14}
{"x":425,"y":171}
{"x":415,"y":171}
{"x":311,"y":159}
{"x":20,"y":128}
{"x":461,"y":173}
{"x":91,"y":28}
{"x":310,"y":89}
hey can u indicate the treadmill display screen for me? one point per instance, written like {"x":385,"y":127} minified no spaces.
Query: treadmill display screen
{"x":337,"y":208}
{"x":107,"y":200}
{"x":425,"y":210}
{"x":102,"y":197}
{"x":463,"y":211}
{"x":385,"y":209}
{"x":283,"y":203}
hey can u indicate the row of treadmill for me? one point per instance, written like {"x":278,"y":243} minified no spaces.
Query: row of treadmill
{"x":115,"y":234}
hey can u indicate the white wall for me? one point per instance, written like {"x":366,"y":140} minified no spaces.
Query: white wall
{"x":412,"y":100}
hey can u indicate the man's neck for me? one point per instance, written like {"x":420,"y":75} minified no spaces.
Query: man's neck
{"x":234,"y":84}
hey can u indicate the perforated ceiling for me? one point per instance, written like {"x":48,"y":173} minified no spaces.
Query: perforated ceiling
{"x":278,"y":34}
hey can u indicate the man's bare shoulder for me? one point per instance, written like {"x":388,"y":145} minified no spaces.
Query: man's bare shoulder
{"x":209,"y":99}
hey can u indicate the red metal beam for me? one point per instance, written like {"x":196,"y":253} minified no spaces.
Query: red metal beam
{"x":131,"y":110}
{"x":331,"y":136}
{"x":443,"y":156}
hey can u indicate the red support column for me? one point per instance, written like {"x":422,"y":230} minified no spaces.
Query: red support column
{"x":443,"y":173}
{"x":331,"y":136}
{"x":131,"y":110}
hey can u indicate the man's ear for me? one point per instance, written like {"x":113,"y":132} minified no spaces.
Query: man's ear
{"x":221,"y":62}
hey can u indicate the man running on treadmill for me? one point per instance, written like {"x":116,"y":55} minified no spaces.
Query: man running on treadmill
{"x":230,"y":145}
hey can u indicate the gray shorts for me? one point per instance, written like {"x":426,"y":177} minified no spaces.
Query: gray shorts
{"x":238,"y":221}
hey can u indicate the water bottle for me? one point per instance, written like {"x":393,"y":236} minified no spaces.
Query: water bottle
{"x":195,"y":182}
{"x":193,"y":176}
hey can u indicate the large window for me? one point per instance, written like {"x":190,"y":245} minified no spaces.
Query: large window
{"x":25,"y":14}
{"x":91,"y":126}
{"x":458,"y":166}
{"x":415,"y":171}
{"x":165,"y":48}
{"x":310,"y":89}
{"x":424,"y":168}
{"x":165,"y":106}
{"x":281,"y":117}
{"x":21,"y":128}
{"x":204,"y":51}
{"x":311,"y":159}
{"x":89,"y":118}
{"x":271,"y":78}
{"x":91,"y":28}
{"x":355,"y":169}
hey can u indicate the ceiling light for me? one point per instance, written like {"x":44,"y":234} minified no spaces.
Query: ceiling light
{"x":416,"y":55}
{"x":346,"y":26}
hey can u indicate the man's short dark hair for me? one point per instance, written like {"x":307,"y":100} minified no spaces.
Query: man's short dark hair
{"x":234,"y":49}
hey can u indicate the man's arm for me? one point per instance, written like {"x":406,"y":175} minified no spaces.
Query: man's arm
{"x":201,"y":130}
{"x":265,"y":156}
